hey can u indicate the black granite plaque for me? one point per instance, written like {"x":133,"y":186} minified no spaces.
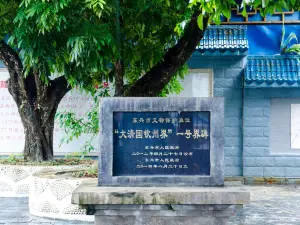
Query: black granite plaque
{"x":161,"y":143}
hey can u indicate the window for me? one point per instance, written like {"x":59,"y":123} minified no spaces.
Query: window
{"x":197,"y":83}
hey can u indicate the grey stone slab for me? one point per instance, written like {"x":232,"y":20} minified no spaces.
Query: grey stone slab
{"x":172,"y":211}
{"x":71,"y":223}
{"x":30,"y":223}
{"x":88,"y":193}
{"x":110,"y":105}
{"x":163,"y":214}
{"x":107,"y":220}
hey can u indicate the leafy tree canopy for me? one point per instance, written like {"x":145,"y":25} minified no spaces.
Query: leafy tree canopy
{"x":84,"y":39}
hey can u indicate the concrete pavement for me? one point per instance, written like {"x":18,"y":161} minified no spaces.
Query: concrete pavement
{"x":270,"y":205}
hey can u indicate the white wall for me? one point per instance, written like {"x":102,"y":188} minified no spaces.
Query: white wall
{"x":284,"y":126}
{"x":198,"y":83}
{"x":295,"y":126}
{"x":11,"y":129}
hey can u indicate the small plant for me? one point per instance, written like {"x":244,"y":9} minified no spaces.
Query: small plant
{"x":18,"y":160}
{"x":77,"y":155}
{"x":74,"y":127}
{"x":14,"y":158}
{"x":91,"y":172}
{"x":286,"y":46}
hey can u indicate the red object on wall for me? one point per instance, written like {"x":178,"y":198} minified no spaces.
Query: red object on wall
{"x":3,"y":84}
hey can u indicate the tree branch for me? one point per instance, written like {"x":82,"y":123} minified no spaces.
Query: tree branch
{"x":119,"y":64}
{"x":119,"y":77}
{"x":61,"y":87}
{"x":10,"y":58}
{"x":14,"y":65}
{"x":153,"y":82}
{"x":41,"y":87}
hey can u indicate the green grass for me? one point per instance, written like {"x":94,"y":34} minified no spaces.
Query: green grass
{"x":88,"y":173}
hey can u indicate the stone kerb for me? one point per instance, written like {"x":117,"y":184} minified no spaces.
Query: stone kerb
{"x":159,"y":205}
{"x":15,"y":180}
{"x":50,"y":196}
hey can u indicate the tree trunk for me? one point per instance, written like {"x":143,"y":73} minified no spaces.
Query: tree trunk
{"x":119,"y":77}
{"x":37,"y":104}
{"x":37,"y":109}
{"x":38,"y":129}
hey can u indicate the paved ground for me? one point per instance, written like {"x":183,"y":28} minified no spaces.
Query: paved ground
{"x":270,"y":205}
{"x":14,"y":211}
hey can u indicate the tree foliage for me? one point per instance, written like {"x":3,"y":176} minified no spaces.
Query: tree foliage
{"x":84,"y":39}
{"x":80,"y":39}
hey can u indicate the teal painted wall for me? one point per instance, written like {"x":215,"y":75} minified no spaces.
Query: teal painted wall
{"x":227,"y":72}
{"x":258,"y":158}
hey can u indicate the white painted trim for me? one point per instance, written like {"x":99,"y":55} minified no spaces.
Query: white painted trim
{"x":211,"y":74}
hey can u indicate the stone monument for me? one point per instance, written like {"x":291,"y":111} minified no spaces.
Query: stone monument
{"x":161,"y":162}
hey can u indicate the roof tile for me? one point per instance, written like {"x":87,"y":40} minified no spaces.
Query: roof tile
{"x":267,"y":71}
{"x":223,"y":38}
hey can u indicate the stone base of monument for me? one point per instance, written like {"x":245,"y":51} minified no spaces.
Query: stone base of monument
{"x":159,"y":205}
{"x":163,"y":214}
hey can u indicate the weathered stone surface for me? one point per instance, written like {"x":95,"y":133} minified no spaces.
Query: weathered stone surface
{"x":130,"y":220}
{"x":88,"y":193}
{"x":163,"y":214}
{"x":213,"y":105}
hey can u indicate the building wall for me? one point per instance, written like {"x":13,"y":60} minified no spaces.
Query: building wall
{"x":284,"y":128}
{"x":197,"y":83}
{"x":227,"y":72}
{"x":260,"y":157}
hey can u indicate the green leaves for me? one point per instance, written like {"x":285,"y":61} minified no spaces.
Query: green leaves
{"x":168,"y":3}
{"x":219,"y":9}
{"x":88,"y":124}
{"x":227,"y":12}
{"x":79,"y":38}
{"x":294,"y":49}
{"x":200,"y":21}
{"x":293,"y":2}
{"x":286,"y":46}
{"x":98,"y":7}
{"x":8,"y":9}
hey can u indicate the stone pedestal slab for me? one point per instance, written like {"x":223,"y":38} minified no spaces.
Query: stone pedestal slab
{"x":159,"y":205}
{"x":163,"y":214}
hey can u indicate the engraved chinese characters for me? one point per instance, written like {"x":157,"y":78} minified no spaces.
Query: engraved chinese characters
{"x":161,"y":143}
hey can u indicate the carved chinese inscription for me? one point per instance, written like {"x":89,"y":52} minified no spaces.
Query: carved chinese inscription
{"x":161,"y":143}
